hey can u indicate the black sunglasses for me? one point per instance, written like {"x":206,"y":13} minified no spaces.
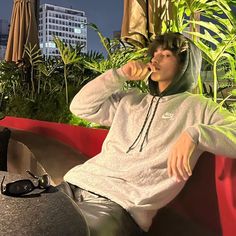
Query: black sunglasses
{"x":24,"y":186}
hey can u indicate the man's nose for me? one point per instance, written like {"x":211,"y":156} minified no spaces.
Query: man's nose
{"x":158,"y":57}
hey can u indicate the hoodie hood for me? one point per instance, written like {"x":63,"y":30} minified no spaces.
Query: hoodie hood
{"x":187,"y":78}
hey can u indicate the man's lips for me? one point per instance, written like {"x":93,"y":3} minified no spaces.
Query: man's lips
{"x":155,"y":65}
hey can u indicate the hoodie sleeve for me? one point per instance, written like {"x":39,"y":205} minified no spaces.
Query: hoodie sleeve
{"x":97,"y":101}
{"x":218,"y":134}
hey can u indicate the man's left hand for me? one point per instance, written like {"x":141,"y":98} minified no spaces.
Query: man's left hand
{"x":178,"y":164}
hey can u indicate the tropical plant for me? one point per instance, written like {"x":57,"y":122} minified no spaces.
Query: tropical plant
{"x":118,"y":54}
{"x":69,"y":55}
{"x":10,"y":75}
{"x":216,"y":36}
{"x":55,"y":80}
{"x":34,"y":58}
{"x":222,"y":41}
{"x":49,"y":73}
{"x":185,"y":12}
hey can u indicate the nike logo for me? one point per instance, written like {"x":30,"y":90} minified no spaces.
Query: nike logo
{"x":168,"y":116}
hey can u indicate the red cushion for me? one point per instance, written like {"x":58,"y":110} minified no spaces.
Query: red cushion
{"x":197,"y":202}
{"x":225,"y":175}
{"x":86,"y":140}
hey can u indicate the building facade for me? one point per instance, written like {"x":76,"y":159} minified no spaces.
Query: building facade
{"x":4,"y":31}
{"x":69,"y":25}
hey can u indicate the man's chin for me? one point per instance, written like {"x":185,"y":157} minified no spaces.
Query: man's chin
{"x":156,"y":77}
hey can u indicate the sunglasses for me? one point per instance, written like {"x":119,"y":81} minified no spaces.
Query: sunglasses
{"x":21,"y":187}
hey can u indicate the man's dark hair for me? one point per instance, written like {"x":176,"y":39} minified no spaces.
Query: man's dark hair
{"x":175,"y":42}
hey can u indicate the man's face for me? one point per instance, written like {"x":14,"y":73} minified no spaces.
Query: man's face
{"x":165,"y":65}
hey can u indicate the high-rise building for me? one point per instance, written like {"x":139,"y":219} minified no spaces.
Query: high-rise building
{"x":4,"y":30}
{"x":69,"y":25}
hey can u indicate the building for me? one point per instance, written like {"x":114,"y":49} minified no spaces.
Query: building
{"x":4,"y":30}
{"x":69,"y":25}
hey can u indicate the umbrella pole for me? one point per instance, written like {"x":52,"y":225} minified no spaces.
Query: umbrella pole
{"x":37,"y":4}
{"x":147,"y":14}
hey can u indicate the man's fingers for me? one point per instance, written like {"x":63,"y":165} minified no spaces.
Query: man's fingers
{"x":179,"y":163}
{"x":180,"y":167}
{"x":173,"y":166}
{"x":151,"y":67}
{"x":138,"y":70}
{"x":134,"y":69}
{"x":176,"y":166}
{"x":186,"y":163}
{"x":187,"y":160}
{"x":142,"y":71}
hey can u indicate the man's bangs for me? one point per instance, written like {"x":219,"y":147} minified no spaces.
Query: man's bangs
{"x":174,"y":42}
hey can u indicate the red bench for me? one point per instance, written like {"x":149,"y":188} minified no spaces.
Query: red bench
{"x":206,"y":205}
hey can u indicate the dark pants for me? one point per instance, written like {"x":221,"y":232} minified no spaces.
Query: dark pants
{"x":103,"y":216}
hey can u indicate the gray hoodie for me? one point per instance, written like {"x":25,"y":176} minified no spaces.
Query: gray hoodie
{"x":131,"y":169}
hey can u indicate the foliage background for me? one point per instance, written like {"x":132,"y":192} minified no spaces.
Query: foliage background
{"x":44,"y":89}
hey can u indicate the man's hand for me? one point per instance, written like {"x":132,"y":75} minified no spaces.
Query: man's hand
{"x":135,"y":70}
{"x":178,"y":164}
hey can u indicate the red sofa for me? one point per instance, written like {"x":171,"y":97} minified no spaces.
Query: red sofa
{"x":206,"y":205}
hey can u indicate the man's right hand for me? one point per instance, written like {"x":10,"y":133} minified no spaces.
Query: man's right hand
{"x":136,"y":70}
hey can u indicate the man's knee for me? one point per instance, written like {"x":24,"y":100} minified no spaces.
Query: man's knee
{"x":108,"y":219}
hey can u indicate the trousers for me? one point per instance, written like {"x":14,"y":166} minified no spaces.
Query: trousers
{"x":103,"y":216}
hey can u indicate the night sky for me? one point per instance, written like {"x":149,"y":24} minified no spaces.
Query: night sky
{"x":106,"y":14}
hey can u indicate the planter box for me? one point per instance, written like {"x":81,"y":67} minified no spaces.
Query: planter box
{"x":75,"y":136}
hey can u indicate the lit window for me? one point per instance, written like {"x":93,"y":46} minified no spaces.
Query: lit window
{"x":77,"y":30}
{"x":50,"y":45}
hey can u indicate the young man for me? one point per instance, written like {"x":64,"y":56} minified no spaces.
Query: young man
{"x":154,"y":141}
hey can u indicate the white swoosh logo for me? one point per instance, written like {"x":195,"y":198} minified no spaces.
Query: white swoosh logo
{"x":168,"y":116}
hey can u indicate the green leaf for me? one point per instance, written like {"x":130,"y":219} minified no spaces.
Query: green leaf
{"x":233,"y":92}
{"x":231,"y":62}
{"x":188,"y":12}
{"x":206,"y":36}
{"x":210,"y":26}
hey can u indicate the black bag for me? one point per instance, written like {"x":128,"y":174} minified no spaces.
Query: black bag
{"x":4,"y":140}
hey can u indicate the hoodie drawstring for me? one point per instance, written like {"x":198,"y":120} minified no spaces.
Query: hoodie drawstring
{"x":149,"y":125}
{"x":134,"y":144}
